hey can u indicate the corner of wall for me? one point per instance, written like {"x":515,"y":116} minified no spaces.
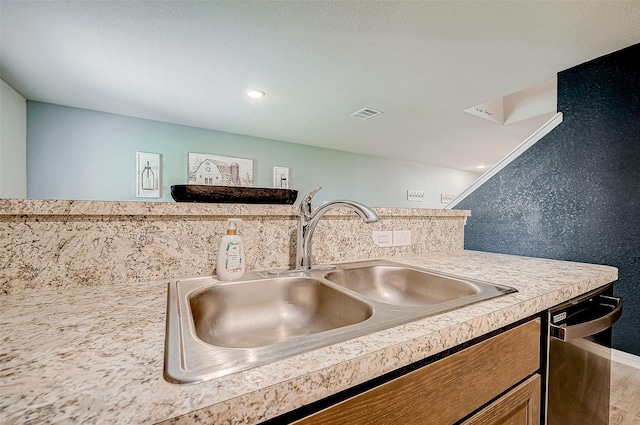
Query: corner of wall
{"x":13,"y":143}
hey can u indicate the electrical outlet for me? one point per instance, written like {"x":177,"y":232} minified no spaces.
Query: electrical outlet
{"x":281,"y":177}
{"x":445,"y":198}
{"x":401,"y":237}
{"x":415,"y":195}
{"x":383,"y":238}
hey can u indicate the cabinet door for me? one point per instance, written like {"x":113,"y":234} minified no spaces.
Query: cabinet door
{"x":447,"y":390}
{"x":520,"y":406}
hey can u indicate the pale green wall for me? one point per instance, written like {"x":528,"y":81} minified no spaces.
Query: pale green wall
{"x":81,"y":154}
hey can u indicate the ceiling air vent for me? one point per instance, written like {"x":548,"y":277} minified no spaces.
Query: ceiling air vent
{"x":366,"y":113}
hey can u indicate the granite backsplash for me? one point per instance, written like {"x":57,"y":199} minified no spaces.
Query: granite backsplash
{"x":84,"y":243}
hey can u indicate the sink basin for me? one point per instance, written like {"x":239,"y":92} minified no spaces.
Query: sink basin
{"x":400,"y":285}
{"x":217,"y":328}
{"x":269,"y":311}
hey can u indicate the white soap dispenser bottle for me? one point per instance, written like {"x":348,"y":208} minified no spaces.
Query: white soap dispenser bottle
{"x":231,"y":263}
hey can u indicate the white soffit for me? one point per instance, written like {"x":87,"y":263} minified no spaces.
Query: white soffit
{"x":519,"y":106}
{"x":492,"y":110}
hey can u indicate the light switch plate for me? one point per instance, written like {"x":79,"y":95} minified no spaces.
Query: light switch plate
{"x":383,"y":238}
{"x":445,"y":198}
{"x":415,"y":195}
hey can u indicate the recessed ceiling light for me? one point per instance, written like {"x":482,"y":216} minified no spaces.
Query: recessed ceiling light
{"x":255,"y":93}
{"x":480,"y":167}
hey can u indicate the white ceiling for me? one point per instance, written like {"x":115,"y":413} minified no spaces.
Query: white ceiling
{"x":421,"y":63}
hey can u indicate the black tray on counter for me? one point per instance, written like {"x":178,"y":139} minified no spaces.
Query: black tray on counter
{"x":232,"y":194}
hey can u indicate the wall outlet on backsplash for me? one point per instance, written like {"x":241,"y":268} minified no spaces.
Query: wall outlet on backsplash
{"x":388,"y":238}
{"x":383,"y":238}
{"x":401,"y":237}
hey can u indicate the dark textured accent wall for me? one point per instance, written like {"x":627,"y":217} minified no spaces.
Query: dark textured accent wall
{"x":575,"y":195}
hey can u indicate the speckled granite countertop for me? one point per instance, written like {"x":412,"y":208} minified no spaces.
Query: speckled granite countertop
{"x":95,"y":355}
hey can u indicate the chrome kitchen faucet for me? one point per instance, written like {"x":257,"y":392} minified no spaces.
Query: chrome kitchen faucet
{"x":309,"y":220}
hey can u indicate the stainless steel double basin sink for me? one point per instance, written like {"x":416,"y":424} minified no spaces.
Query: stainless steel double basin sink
{"x":215,"y":328}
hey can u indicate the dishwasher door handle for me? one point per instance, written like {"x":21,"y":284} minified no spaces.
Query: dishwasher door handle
{"x":580,"y":330}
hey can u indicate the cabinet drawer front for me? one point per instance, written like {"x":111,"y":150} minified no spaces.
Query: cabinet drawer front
{"x":520,"y":406}
{"x":448,"y":389}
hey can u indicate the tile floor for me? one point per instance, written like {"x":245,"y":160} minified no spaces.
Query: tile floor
{"x":625,"y":395}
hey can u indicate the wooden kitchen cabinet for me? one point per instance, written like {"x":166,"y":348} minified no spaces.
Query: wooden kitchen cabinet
{"x":520,"y":406}
{"x":450,"y":389}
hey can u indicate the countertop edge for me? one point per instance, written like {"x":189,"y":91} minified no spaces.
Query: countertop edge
{"x":71,"y":208}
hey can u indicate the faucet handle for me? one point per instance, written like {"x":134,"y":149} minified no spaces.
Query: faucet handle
{"x":305,"y":204}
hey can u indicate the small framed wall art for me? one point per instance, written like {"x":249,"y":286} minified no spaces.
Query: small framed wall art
{"x":217,"y":170}
{"x":148,"y":169}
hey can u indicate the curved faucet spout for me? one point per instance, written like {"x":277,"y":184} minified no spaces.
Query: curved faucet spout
{"x":309,"y":221}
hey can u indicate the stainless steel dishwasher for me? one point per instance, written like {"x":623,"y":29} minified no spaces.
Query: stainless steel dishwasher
{"x":579,"y":364}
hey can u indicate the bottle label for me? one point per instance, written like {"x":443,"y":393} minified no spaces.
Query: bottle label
{"x":233,"y":262}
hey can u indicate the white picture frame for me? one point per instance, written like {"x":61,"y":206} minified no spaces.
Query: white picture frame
{"x":218,"y":170}
{"x":148,"y":171}
{"x":281,"y":177}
